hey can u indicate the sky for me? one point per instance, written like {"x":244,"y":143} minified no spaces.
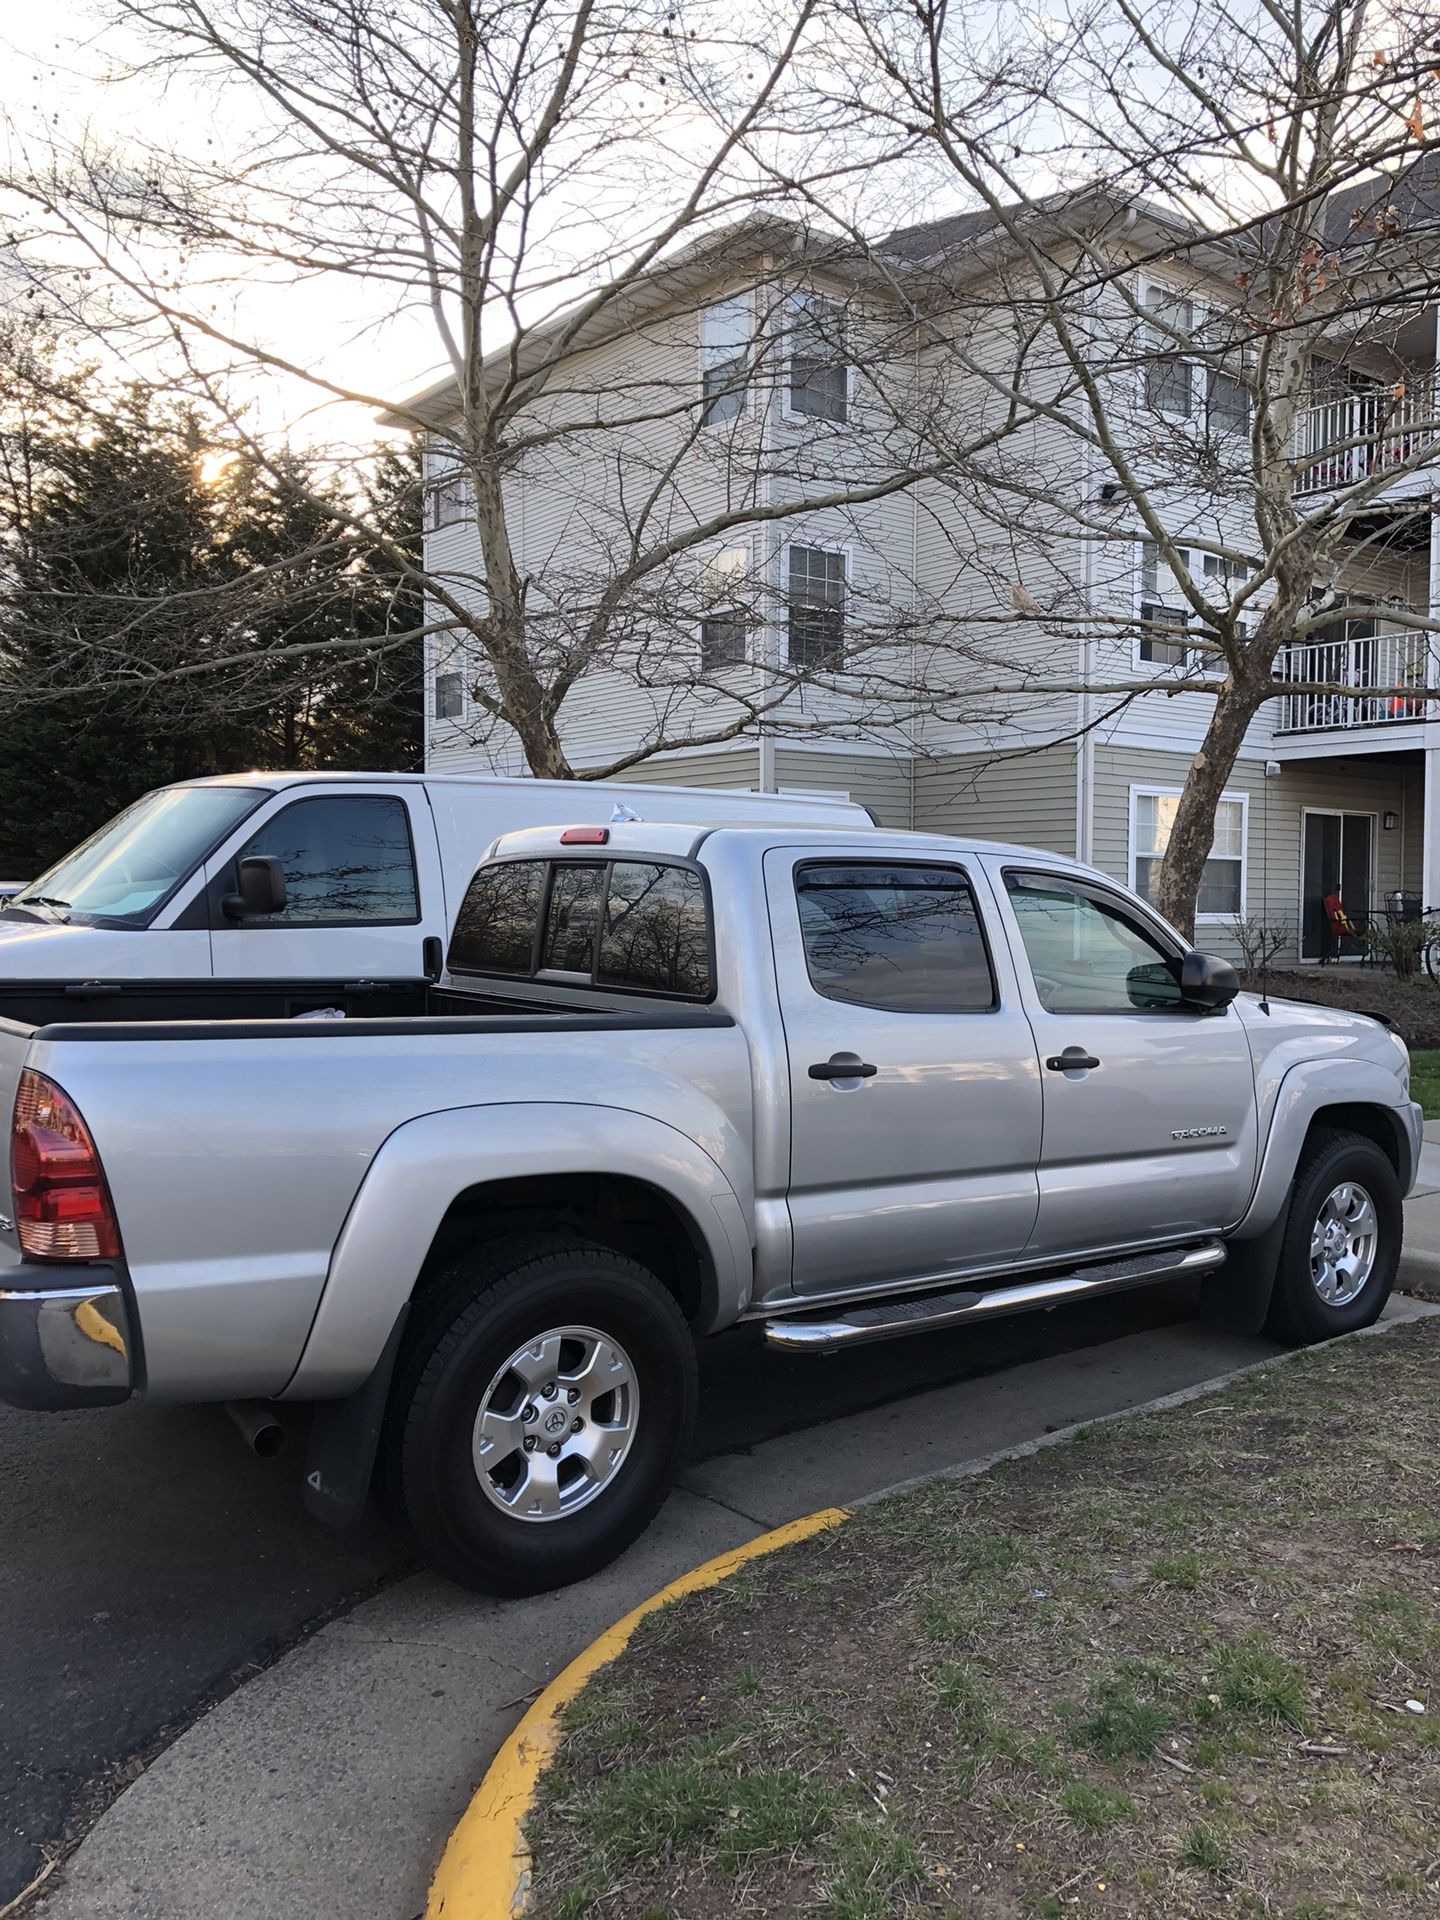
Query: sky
{"x":60,"y":61}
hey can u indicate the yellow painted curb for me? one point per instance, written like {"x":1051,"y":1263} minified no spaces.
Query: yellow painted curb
{"x":485,"y":1871}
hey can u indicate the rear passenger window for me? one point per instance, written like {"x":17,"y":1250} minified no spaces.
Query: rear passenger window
{"x":656,"y":936}
{"x":902,"y":937}
{"x":498,"y":919}
{"x":348,"y":861}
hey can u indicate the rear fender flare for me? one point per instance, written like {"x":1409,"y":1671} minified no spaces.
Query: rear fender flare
{"x":427,"y":1163}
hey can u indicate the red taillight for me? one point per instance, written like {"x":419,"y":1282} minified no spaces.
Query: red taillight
{"x":584,"y":836}
{"x":62,"y":1204}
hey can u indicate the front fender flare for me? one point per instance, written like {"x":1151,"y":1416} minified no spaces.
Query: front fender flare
{"x":1306,"y":1089}
{"x":428,"y":1162}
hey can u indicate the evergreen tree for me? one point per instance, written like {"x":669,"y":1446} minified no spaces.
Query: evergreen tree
{"x":126,"y":571}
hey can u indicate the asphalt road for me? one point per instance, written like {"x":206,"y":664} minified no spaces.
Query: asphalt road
{"x":148,"y":1562}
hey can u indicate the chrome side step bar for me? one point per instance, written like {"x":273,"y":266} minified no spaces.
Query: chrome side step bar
{"x":887,"y":1320}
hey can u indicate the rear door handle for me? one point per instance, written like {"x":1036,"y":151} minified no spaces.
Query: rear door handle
{"x":1071,"y":1060}
{"x":843,"y":1066}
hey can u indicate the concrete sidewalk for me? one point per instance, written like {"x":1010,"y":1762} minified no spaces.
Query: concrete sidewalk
{"x":329,"y":1784}
{"x":1421,"y":1258}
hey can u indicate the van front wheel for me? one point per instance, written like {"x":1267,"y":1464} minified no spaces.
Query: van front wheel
{"x":543,"y":1400}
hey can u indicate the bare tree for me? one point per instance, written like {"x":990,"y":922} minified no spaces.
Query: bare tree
{"x":563,"y":193}
{"x":1209,"y":238}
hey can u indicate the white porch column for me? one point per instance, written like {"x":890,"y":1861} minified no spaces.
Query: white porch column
{"x":1430,"y":884}
{"x":1430,"y":859}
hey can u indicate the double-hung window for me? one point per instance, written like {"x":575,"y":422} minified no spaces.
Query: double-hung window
{"x":1167,"y":620}
{"x":725,"y":343}
{"x":1164,"y":613}
{"x":724,"y":582}
{"x":1194,"y":364}
{"x":449,"y":499}
{"x":816,"y":593}
{"x":1222,"y":883}
{"x":819,"y":374}
{"x":449,"y":695}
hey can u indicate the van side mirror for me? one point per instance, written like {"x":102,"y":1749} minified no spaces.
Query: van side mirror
{"x":1207,"y":983}
{"x":262,"y":887}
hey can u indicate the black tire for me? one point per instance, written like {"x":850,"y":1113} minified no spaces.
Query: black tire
{"x":483,"y":1308}
{"x":1298,"y":1315}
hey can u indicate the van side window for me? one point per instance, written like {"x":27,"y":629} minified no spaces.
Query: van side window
{"x":907,"y":938}
{"x":348,"y":861}
{"x":656,"y":936}
{"x":498,"y":919}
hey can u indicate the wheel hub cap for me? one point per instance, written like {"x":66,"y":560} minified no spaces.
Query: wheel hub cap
{"x":555,"y":1423}
{"x":1343,"y":1244}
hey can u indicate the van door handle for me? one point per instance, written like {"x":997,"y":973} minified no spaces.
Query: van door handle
{"x":843,"y":1066}
{"x":1071,"y":1060}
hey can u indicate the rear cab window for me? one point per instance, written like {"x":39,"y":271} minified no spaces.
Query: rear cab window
{"x":628,"y":926}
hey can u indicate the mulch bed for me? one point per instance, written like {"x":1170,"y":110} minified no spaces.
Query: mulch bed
{"x":1169,"y":1668}
{"x":1413,"y":1005}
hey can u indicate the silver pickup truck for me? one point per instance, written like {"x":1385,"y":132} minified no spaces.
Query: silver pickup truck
{"x":849,"y":1086}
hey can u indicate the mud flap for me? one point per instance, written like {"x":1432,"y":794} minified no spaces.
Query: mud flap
{"x":1237,"y":1299}
{"x":344,"y":1439}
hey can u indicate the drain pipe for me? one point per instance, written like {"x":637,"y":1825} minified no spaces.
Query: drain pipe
{"x":258,"y":1426}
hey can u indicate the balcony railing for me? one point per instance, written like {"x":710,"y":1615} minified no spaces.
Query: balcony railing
{"x":1339,"y":442}
{"x":1390,"y":664}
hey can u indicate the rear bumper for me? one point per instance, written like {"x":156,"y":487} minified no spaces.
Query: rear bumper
{"x":64,"y":1346}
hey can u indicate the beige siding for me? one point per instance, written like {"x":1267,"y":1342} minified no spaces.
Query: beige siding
{"x":737,"y":767}
{"x":1276,"y":810}
{"x":1029,"y":798}
{"x":876,"y":780}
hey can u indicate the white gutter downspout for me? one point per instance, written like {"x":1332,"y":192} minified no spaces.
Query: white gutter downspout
{"x":769,"y":633}
{"x":1085,"y":745}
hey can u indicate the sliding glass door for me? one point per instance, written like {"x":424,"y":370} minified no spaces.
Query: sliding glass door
{"x":1337,"y":856}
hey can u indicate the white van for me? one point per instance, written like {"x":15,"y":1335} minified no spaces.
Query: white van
{"x":306,"y":890}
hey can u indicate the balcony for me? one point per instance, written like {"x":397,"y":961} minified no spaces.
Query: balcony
{"x":1354,"y":436}
{"x":1389,"y":665}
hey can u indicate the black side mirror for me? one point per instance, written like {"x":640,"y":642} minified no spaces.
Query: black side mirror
{"x":262,"y":887}
{"x":1206,"y":982}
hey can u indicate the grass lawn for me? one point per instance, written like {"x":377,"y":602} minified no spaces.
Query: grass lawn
{"x":1425,"y":1081}
{"x":1161,"y":1670}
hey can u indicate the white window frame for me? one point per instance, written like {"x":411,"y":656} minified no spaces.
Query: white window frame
{"x":817,"y":545}
{"x":1201,"y":311}
{"x":788,"y":411}
{"x":1201,"y":666}
{"x":436,"y":487}
{"x":717,"y":606}
{"x":1147,"y":790}
{"x":712,"y":356}
{"x":443,"y":671}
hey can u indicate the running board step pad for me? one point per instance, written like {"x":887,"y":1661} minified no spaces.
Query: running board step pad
{"x":888,"y":1319}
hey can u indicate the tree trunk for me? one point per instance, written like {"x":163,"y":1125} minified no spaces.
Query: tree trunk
{"x":1193,"y":833}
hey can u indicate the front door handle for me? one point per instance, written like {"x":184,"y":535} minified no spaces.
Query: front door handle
{"x":842,"y":1066}
{"x":1072,"y":1060}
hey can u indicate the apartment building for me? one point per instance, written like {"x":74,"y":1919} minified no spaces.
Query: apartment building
{"x":949,"y":652}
